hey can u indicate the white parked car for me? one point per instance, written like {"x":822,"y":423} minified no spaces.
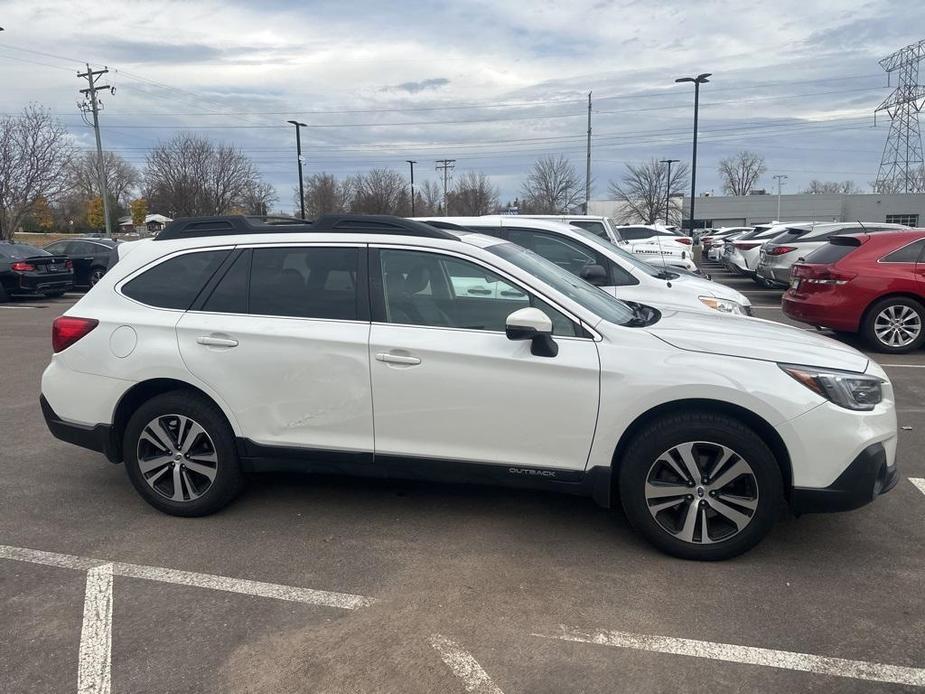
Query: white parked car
{"x":234,"y":346}
{"x":615,"y":270}
{"x":661,"y":246}
{"x":741,"y":255}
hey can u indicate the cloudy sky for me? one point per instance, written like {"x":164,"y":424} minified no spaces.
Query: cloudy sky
{"x":494,"y":84}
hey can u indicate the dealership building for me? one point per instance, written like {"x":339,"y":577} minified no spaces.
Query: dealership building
{"x":720,"y":211}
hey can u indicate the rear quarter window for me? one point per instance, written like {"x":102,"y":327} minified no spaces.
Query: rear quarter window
{"x":175,"y":283}
{"x":829,"y":253}
{"x":910,"y":253}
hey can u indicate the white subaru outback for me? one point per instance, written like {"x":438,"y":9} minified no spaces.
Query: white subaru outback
{"x":353,"y":345}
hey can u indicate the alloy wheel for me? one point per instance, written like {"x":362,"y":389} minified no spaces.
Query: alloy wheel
{"x":96,"y":276}
{"x":898,"y":325}
{"x":701,"y":492}
{"x":176,"y":457}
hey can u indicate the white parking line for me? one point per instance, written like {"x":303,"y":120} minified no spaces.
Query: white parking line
{"x":904,"y":366}
{"x":464,"y":666}
{"x":308,"y":596}
{"x":786,"y":660}
{"x":95,"y":662}
{"x":919,"y":482}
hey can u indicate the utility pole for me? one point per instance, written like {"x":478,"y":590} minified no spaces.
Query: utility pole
{"x":588,"y":166}
{"x":668,"y":188}
{"x":92,"y":77}
{"x":412,"y":163}
{"x":780,"y":179}
{"x":446,"y":165}
{"x":298,"y":149}
{"x":697,"y":81}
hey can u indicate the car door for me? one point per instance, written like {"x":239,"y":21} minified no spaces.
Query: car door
{"x":283,"y":338}
{"x":81,"y":254}
{"x":449,"y":385}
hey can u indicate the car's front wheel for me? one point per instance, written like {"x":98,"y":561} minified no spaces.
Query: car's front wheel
{"x":180,"y":455}
{"x":700,"y":486}
{"x":895,"y":325}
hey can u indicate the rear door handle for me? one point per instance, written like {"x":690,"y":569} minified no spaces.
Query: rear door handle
{"x":210,"y":341}
{"x":397,"y":359}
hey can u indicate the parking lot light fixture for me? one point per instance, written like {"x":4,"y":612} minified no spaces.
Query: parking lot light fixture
{"x":702,"y":78}
{"x":298,"y":147}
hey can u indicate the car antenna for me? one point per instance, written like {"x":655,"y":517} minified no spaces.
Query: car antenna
{"x":862,"y":226}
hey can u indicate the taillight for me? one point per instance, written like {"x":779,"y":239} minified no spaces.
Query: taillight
{"x":781,"y":250}
{"x":686,"y":240}
{"x":821,"y":274}
{"x":744,"y":246}
{"x":66,"y":330}
{"x":20,"y":266}
{"x":68,"y":265}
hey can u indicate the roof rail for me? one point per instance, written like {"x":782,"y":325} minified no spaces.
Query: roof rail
{"x":229,"y":225}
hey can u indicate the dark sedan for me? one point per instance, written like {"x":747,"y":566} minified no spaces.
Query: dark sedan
{"x":89,"y":255}
{"x":32,"y":271}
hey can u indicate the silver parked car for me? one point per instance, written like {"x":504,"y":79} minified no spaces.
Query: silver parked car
{"x":798,"y":241}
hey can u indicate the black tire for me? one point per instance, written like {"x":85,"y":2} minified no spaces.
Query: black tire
{"x":96,"y":274}
{"x":228,"y":479}
{"x":714,"y":430}
{"x":899,"y":303}
{"x":53,"y":295}
{"x":4,"y":297}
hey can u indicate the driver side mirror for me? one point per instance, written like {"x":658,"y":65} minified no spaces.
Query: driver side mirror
{"x":534,"y":325}
{"x":594,"y":274}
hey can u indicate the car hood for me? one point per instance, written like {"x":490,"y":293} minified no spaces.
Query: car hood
{"x":753,"y":338}
{"x":705,"y":287}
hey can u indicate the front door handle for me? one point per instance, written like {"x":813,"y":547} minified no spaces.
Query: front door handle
{"x":397,"y":359}
{"x":210,"y":341}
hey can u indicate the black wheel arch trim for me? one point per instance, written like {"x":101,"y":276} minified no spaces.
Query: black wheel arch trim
{"x":866,"y":477}
{"x":97,"y":437}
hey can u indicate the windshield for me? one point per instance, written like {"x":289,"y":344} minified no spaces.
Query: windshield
{"x":585,"y":295}
{"x":20,"y":250}
{"x":631,"y":258}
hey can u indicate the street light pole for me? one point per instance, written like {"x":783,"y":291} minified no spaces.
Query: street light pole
{"x":411,"y":163}
{"x":780,"y":179}
{"x":698,"y":80}
{"x":298,"y":149}
{"x":668,"y":188}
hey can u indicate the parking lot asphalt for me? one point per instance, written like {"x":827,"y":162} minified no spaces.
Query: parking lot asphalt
{"x":322,"y":584}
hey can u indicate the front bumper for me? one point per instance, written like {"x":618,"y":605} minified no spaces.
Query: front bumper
{"x":96,"y":438}
{"x":868,"y":476}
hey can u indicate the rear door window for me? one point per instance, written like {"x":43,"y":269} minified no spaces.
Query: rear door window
{"x":305,"y":282}
{"x":911,"y":253}
{"x":175,"y":283}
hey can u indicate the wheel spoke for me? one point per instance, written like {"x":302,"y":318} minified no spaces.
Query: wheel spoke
{"x":203,"y":470}
{"x":738,"y":469}
{"x":739,"y":519}
{"x":658,"y":508}
{"x":204,"y":457}
{"x":190,"y":432}
{"x":721,"y":463}
{"x":156,"y":434}
{"x":157,"y":475}
{"x":743,"y":501}
{"x":704,"y":527}
{"x":659,"y":491}
{"x":189,"y":485}
{"x":150,"y":464}
{"x":177,"y":485}
{"x":686,"y":452}
{"x":690,"y":523}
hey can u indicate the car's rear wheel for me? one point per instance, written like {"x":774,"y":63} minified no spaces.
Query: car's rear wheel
{"x":96,"y":274}
{"x":700,"y":486}
{"x":180,"y":455}
{"x":895,"y":325}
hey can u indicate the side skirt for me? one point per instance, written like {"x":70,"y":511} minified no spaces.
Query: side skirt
{"x":257,"y":457}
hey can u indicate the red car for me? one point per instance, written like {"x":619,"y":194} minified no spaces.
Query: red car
{"x":873,"y":284}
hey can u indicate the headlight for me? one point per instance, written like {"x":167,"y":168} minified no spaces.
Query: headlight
{"x":723,"y":305}
{"x":849,"y":390}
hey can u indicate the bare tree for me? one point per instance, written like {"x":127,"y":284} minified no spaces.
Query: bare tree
{"x":381,"y":191}
{"x":325,"y":194}
{"x":34,"y":150}
{"x":258,"y":198}
{"x":430,"y":198}
{"x":552,"y":187}
{"x":122,"y":178}
{"x":644,"y":191}
{"x":473,"y":194}
{"x":916,"y":184}
{"x":817,"y":187}
{"x":740,"y":172}
{"x":190,"y":175}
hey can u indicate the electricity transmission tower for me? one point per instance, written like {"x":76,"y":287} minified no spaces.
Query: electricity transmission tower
{"x":902,"y":156}
{"x":445,"y":165}
{"x":92,"y":104}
